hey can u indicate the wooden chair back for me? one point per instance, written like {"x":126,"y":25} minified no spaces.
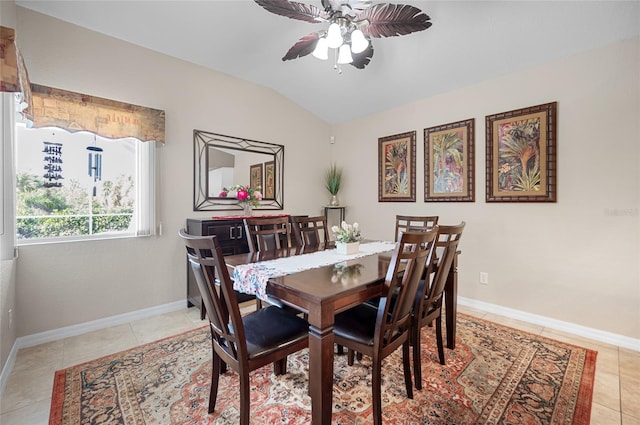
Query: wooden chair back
{"x":394,"y":317}
{"x":428,"y":301}
{"x":227,"y":330}
{"x":414,"y":223}
{"x":446,"y":247}
{"x":310,"y":231}
{"x":294,"y":241}
{"x":267,"y":233}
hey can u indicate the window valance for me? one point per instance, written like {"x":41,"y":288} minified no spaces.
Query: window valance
{"x":13,"y":72}
{"x":107,"y":118}
{"x":9,"y":75}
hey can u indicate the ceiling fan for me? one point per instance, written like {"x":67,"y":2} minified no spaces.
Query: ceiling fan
{"x":352,"y":25}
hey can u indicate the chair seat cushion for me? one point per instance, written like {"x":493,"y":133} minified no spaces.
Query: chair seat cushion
{"x":271,"y":328}
{"x":357,"y":324}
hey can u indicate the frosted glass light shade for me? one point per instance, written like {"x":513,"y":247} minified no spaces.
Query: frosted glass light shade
{"x":344,"y":54}
{"x":358,"y":42}
{"x":334,"y":36}
{"x":322,"y":49}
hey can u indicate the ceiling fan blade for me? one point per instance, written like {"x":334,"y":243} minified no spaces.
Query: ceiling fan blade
{"x":294,"y":10}
{"x":362,"y":59}
{"x":389,"y":20}
{"x":303,"y":47}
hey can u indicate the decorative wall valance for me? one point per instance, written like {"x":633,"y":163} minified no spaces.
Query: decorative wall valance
{"x":13,"y":72}
{"x":9,"y":75}
{"x":104,"y":117}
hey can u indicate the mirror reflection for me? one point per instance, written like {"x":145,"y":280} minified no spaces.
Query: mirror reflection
{"x":221,"y":162}
{"x":227,"y":167}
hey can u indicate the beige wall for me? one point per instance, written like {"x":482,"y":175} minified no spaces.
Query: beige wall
{"x":562,"y":260}
{"x":70,"y":283}
{"x":575,"y":260}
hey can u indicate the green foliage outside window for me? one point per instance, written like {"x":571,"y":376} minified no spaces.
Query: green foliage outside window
{"x":53,"y":212}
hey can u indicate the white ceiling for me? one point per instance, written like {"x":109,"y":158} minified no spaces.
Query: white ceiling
{"x":469,"y":41}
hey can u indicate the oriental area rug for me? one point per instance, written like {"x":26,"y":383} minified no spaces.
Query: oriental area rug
{"x":496,"y":375}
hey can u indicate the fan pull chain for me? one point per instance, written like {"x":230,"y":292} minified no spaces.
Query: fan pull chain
{"x":336,"y":65}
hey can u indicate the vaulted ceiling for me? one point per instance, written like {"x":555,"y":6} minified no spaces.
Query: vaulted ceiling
{"x":469,"y":41}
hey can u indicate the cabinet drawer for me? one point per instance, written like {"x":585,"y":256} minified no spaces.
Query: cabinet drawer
{"x":227,"y":232}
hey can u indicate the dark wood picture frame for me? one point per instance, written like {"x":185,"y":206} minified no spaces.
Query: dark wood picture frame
{"x":397,"y":168}
{"x":269,"y":190}
{"x":521,"y":163}
{"x":449,"y":160}
{"x":255,"y":176}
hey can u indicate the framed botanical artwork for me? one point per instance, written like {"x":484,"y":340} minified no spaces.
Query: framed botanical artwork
{"x":448,"y":162}
{"x":522,"y":155}
{"x":269,"y":189}
{"x":255,"y":175}
{"x":397,"y":168}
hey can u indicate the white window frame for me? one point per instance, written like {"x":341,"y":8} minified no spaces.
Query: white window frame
{"x":7,"y":177}
{"x":144,"y":211}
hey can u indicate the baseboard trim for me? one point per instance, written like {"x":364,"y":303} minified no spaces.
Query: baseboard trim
{"x":94,"y":325}
{"x":56,"y":334}
{"x":74,"y":330}
{"x":583,"y":331}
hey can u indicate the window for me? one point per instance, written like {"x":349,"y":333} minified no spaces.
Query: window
{"x":73,"y":186}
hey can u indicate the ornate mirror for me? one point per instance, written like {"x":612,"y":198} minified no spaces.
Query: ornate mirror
{"x":221,"y":161}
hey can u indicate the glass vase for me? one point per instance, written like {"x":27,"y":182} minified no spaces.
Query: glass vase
{"x":247,"y":209}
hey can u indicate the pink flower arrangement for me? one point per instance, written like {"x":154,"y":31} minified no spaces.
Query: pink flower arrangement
{"x":244,"y":194}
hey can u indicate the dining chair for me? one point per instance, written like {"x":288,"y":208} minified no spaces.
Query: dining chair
{"x":378,"y":331}
{"x":294,"y":242}
{"x":414,"y":223}
{"x":267,"y":233}
{"x":244,"y":343}
{"x":411,"y":223}
{"x":428,"y":301}
{"x":310,"y":231}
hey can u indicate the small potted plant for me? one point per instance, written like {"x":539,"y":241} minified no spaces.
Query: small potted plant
{"x":332,"y":179}
{"x":347,"y":238}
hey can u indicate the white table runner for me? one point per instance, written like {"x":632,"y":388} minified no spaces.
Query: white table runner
{"x":252,"y":278}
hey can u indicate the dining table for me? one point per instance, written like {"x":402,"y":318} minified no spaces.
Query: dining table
{"x":322,"y":292}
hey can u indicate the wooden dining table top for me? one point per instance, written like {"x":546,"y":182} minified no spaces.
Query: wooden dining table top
{"x":332,"y":282}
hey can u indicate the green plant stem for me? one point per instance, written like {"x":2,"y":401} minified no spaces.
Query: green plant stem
{"x":332,"y":179}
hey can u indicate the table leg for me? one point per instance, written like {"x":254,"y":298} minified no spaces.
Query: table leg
{"x":321,"y":373}
{"x":451,"y":302}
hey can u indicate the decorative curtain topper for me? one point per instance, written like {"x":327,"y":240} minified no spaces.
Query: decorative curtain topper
{"x":104,"y":117}
{"x":14,"y":77}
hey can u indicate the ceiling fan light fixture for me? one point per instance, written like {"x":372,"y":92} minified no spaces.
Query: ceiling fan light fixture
{"x":334,"y":36}
{"x":358,"y":42}
{"x":344,"y":55}
{"x":352,"y":24}
{"x":322,"y":49}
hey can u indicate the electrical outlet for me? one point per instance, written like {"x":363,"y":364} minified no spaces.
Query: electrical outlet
{"x":10,"y":317}
{"x":484,"y":278}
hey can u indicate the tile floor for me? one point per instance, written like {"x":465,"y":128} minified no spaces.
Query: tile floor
{"x":27,"y":396}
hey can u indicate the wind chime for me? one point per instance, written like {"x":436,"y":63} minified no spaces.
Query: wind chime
{"x":52,"y":164}
{"x":95,"y":164}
